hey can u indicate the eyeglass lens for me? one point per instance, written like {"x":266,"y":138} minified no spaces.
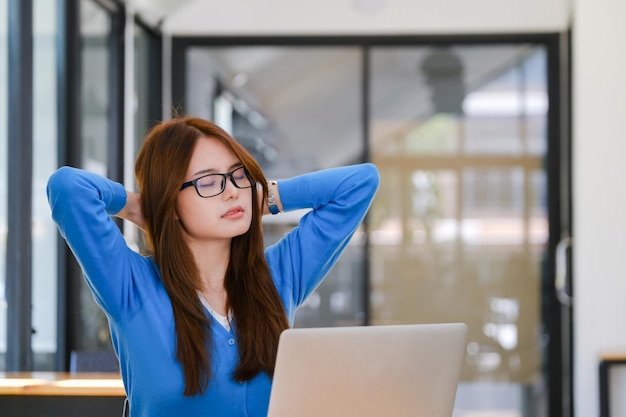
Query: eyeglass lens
{"x":214,"y":184}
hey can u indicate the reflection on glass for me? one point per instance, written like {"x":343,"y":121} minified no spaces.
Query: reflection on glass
{"x":458,"y":229}
{"x":147,"y":110}
{"x":3,"y":179}
{"x":142,"y":85}
{"x":44,"y":232}
{"x":148,"y":102}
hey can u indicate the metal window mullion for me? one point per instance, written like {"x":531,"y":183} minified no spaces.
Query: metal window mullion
{"x":115,"y":134}
{"x":366,"y":75}
{"x":558,"y":351}
{"x":69,"y":109}
{"x":115,"y":143}
{"x":155,"y":77}
{"x":20,"y":144}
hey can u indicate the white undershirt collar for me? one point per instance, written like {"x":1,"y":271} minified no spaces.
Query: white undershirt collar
{"x":223,"y":320}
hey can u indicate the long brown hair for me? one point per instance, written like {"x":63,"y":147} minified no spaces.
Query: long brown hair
{"x":251,"y":294}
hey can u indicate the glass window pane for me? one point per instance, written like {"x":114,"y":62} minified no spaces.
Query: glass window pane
{"x":95,"y":28}
{"x":44,"y":232}
{"x":506,"y":115}
{"x":459,"y":227}
{"x":142,"y":80}
{"x":147,"y":98}
{"x":3,"y":180}
{"x":277,"y":102}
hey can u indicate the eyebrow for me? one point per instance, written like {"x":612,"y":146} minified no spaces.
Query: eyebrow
{"x":213,"y":170}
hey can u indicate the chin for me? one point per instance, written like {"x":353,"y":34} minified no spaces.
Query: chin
{"x":241,"y":230}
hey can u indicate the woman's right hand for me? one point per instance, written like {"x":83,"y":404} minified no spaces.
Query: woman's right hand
{"x":132,"y":210}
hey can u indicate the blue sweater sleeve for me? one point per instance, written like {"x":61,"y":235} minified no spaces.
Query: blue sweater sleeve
{"x":82,"y":203}
{"x":339,"y":199}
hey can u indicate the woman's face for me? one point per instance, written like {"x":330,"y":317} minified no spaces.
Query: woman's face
{"x":225,"y":215}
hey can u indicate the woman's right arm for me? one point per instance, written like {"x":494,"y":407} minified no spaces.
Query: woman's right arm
{"x":82,"y":204}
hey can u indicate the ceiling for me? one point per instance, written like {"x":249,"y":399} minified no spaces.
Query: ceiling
{"x":154,"y":11}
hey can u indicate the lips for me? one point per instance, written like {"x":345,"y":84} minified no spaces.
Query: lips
{"x":233,"y":212}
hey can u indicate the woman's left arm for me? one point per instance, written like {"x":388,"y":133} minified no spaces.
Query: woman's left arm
{"x":339,"y":199}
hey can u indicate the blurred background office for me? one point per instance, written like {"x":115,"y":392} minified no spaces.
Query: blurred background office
{"x":496,"y":127}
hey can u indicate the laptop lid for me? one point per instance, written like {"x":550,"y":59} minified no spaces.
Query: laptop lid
{"x":368,"y":371}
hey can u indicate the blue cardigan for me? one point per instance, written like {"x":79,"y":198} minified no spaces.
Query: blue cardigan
{"x":127,"y":285}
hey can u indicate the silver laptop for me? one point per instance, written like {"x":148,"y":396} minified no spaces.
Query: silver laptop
{"x":368,"y":371}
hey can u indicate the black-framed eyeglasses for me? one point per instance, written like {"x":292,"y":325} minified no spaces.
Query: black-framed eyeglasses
{"x":214,"y":184}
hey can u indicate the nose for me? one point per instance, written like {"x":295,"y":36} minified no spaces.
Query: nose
{"x":230,"y":190}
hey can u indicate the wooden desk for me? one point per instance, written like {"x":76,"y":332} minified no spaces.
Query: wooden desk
{"x":607,"y":360}
{"x":51,"y":394}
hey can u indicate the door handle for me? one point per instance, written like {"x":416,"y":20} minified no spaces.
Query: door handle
{"x":560,"y":278}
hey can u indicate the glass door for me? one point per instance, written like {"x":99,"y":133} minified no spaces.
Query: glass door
{"x":459,"y":230}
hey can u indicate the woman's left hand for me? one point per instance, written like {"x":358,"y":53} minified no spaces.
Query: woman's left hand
{"x":132,"y":210}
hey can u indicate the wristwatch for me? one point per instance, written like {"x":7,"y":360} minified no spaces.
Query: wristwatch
{"x":271,"y":200}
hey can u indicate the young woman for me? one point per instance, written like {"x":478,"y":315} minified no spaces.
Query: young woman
{"x":195,"y":320}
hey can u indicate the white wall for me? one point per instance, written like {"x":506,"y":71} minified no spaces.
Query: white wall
{"x":241,"y":17}
{"x":599,"y":200}
{"x":599,"y":147}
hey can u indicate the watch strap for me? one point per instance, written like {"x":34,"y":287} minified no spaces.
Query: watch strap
{"x":271,"y":200}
